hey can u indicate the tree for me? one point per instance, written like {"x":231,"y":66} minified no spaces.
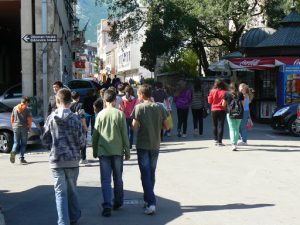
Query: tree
{"x":186,"y":62}
{"x":174,"y":25}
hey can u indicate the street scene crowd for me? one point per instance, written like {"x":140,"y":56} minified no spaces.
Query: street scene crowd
{"x":113,"y":114}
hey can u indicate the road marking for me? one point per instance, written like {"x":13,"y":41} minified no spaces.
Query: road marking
{"x":271,"y":136}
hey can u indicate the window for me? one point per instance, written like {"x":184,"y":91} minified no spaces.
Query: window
{"x":79,"y":84}
{"x":268,"y":85}
{"x":15,"y":92}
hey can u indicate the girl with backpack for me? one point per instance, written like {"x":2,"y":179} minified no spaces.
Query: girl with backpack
{"x":234,"y":101}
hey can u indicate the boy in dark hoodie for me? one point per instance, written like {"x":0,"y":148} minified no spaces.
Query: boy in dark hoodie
{"x":65,"y":135}
{"x":21,"y":120}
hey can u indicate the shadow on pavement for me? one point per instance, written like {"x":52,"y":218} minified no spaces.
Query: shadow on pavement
{"x":180,"y":150}
{"x":36,"y":206}
{"x":203,"y":208}
{"x":267,"y":150}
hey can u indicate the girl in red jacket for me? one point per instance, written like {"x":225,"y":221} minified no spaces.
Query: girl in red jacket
{"x":218,"y":111}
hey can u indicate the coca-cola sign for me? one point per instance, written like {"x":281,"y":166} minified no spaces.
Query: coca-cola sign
{"x":297,"y":62}
{"x":253,"y":62}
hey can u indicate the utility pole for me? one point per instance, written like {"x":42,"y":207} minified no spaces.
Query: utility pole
{"x":45,"y":57}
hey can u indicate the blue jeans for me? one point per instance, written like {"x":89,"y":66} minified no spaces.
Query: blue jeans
{"x":20,"y":141}
{"x":67,"y":205}
{"x":130,"y":132}
{"x":111,"y":166}
{"x":147,"y":160}
{"x":243,"y":129}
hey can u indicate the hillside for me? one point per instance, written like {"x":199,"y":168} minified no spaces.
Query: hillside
{"x":86,"y":9}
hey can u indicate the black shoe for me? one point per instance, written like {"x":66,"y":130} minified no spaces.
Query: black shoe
{"x":117,"y":206}
{"x":106,"y":212}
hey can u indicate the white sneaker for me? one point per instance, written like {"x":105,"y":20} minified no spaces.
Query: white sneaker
{"x":241,"y":143}
{"x":150,"y":210}
{"x":233,"y":147}
{"x":83,"y":161}
{"x":184,"y":135}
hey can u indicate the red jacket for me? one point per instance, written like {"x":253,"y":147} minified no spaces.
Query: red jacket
{"x":215,"y":98}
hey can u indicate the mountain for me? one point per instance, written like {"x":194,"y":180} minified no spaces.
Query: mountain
{"x":87,"y":10}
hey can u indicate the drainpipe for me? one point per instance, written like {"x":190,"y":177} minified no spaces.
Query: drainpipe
{"x":45,"y":58}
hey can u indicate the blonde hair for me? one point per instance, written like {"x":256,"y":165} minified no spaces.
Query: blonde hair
{"x":249,"y":91}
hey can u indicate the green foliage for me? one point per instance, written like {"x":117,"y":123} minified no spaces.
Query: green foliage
{"x":149,"y":81}
{"x":97,"y":62}
{"x":175,"y":25}
{"x":186,"y":62}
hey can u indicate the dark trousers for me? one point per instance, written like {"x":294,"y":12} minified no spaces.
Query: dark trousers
{"x":182,"y":116}
{"x":90,"y":120}
{"x":218,"y":118}
{"x":198,"y":119}
{"x":130,"y":132}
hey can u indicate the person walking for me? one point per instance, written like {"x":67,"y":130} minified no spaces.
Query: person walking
{"x":110,"y":144}
{"x":182,"y":99}
{"x":233,"y":100}
{"x":128,"y":103}
{"x":218,"y":111}
{"x":198,"y":106}
{"x":244,"y":89}
{"x":21,"y":120}
{"x":88,"y":102}
{"x":148,"y":118}
{"x":77,"y":108}
{"x":160,"y":96}
{"x":57,"y":85}
{"x":65,"y":135}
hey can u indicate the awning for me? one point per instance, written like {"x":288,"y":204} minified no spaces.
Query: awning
{"x":261,"y":63}
{"x":222,"y":65}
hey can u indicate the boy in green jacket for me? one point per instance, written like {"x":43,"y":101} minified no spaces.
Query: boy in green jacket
{"x":110,"y":144}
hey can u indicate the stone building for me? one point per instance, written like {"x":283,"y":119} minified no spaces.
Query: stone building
{"x":22,"y":62}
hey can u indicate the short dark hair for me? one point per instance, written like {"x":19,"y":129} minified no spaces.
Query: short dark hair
{"x":58,"y":83}
{"x":98,"y":104}
{"x":121,"y":87}
{"x":145,"y":89}
{"x":25,"y":99}
{"x":64,"y":95}
{"x":75,"y":95}
{"x":109,"y":95}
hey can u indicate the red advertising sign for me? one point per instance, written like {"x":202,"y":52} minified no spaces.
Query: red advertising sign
{"x":262,"y":63}
{"x":80,"y":64}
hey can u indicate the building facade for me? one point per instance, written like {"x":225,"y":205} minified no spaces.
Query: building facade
{"x":36,"y":64}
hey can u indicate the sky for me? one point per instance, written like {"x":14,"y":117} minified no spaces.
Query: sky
{"x":87,"y":10}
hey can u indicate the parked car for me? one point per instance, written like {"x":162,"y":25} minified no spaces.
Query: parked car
{"x":6,"y":131}
{"x":298,"y":119}
{"x":284,"y":118}
{"x":83,"y":86}
{"x":13,"y":95}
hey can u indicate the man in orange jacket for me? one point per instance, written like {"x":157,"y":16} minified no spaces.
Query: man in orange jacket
{"x":21,"y":120}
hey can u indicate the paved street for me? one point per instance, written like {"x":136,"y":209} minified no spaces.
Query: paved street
{"x":197,"y":184}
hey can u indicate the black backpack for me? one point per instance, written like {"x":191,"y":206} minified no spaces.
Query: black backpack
{"x":236,"y":109}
